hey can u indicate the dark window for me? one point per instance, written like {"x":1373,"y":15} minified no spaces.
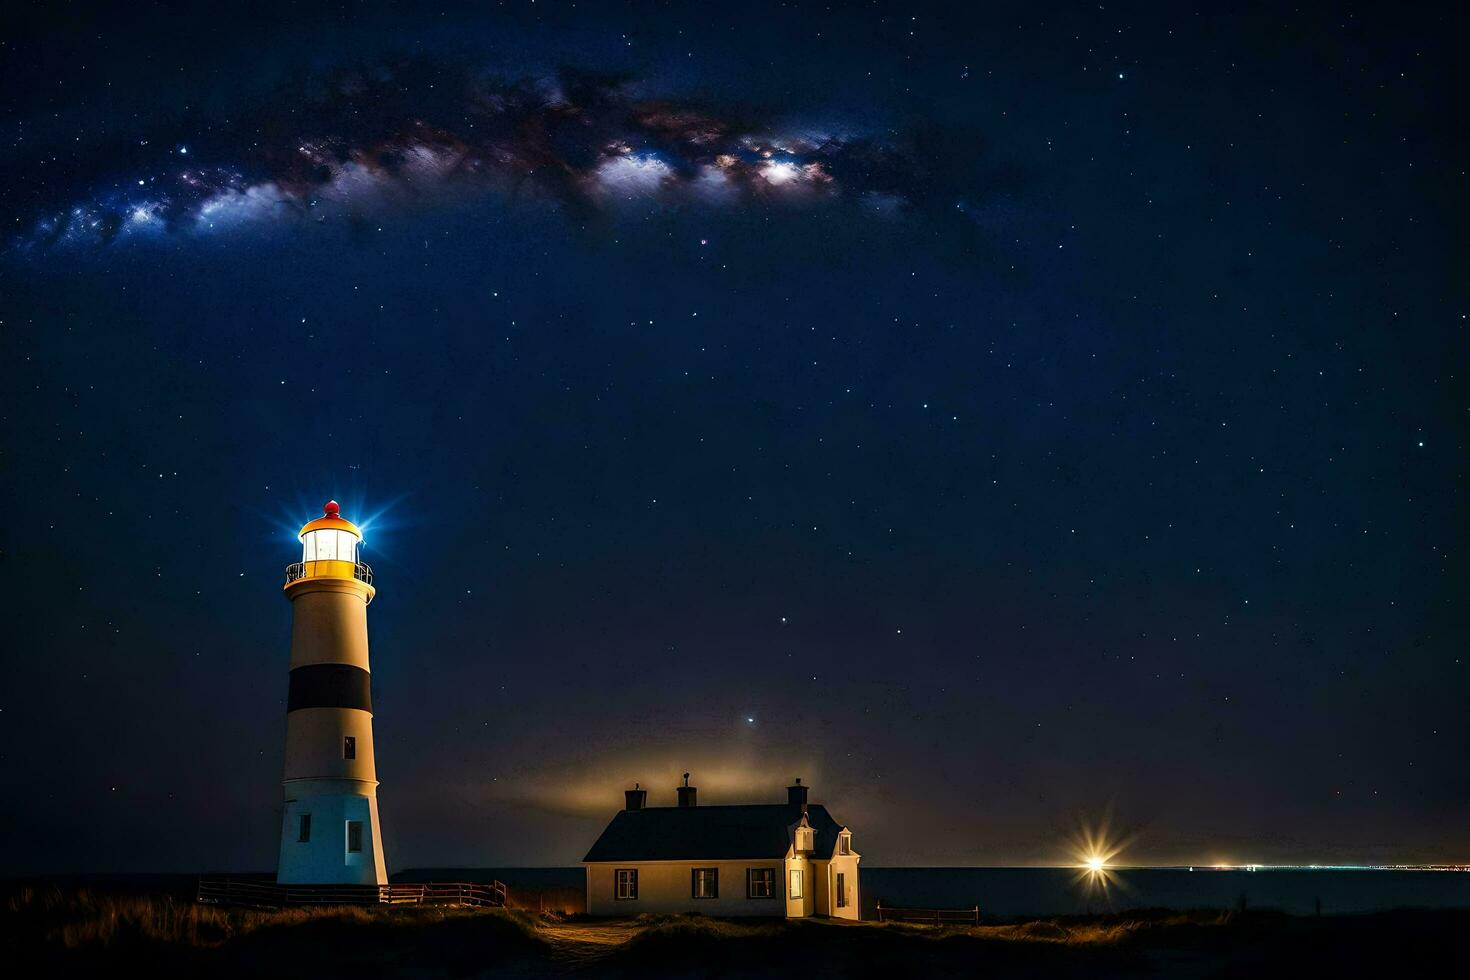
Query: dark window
{"x":760,"y":883}
{"x":844,"y":844}
{"x":627,"y":883}
{"x":354,"y":836}
{"x":841,"y":890}
{"x":330,"y":686}
{"x":303,"y":828}
{"x":705,"y":882}
{"x":349,"y":747}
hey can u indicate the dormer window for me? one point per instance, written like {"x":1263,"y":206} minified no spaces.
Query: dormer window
{"x":844,"y":844}
{"x":803,"y":839}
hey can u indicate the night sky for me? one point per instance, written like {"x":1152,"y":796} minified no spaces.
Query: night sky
{"x":1006,"y":419}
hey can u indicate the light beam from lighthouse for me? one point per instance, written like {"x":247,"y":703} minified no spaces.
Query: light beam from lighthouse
{"x":330,"y":832}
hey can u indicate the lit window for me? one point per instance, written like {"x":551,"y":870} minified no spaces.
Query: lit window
{"x":760,"y":883}
{"x":354,"y":837}
{"x":329,"y":544}
{"x":349,"y":747}
{"x":627,"y":884}
{"x":841,"y":890}
{"x":796,"y":884}
{"x":706,"y":882}
{"x":303,"y":828}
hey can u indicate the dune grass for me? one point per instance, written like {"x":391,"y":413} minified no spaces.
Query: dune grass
{"x":561,"y":901}
{"x":48,"y":930}
{"x":1152,"y":943}
{"x":83,"y":917}
{"x":1065,"y":931}
{"x":62,"y":931}
{"x":1054,"y":947}
{"x":1112,"y":931}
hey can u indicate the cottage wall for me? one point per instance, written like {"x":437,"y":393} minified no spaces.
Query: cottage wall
{"x":847,"y":865}
{"x":666,"y":886}
{"x":797,"y":908}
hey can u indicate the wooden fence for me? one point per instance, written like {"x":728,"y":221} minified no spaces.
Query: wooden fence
{"x":269,"y":895}
{"x":930,"y":917}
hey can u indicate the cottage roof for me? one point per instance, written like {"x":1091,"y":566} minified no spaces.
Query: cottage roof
{"x":711,"y":833}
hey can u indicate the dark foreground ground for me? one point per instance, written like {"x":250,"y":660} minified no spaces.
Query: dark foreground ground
{"x":50,"y":931}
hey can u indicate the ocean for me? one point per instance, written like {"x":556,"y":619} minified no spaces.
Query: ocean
{"x":1019,"y":892}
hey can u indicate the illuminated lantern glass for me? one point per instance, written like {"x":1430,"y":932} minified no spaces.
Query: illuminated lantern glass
{"x":329,"y":544}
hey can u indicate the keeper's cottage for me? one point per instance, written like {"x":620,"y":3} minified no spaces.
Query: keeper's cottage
{"x":790,"y":859}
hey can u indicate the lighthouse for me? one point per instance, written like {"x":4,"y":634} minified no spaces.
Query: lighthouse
{"x":330,"y":832}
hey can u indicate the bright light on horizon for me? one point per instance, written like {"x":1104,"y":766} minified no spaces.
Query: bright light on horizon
{"x":1095,"y":850}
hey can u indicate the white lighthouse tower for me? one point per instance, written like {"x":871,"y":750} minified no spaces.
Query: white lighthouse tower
{"x":330,"y":832}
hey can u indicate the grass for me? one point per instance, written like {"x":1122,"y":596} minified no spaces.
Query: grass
{"x":1159,"y":942}
{"x":563,"y":901}
{"x":1109,"y":932}
{"x":78,"y":931}
{"x":1074,"y":931}
{"x":59,"y":931}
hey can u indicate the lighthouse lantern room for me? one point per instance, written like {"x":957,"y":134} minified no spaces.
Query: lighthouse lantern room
{"x":330,"y":832}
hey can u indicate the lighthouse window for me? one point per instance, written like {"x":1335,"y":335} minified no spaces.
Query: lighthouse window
{"x":349,"y":747}
{"x":354,"y":836}
{"x":329,"y":545}
{"x":303,"y":828}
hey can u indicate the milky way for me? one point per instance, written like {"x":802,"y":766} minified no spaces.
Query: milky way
{"x":338,"y":147}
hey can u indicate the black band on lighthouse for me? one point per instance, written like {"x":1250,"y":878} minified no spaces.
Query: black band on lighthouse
{"x":330,"y":686}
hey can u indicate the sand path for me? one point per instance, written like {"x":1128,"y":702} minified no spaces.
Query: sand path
{"x":579,"y":943}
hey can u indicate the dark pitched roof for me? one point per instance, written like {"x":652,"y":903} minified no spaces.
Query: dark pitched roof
{"x":710,"y":833}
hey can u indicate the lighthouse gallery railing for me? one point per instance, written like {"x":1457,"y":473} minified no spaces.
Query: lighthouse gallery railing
{"x":361,"y":571}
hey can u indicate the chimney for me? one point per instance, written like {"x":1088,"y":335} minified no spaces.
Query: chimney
{"x":686,"y":793}
{"x":796,"y":795}
{"x":636,"y":798}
